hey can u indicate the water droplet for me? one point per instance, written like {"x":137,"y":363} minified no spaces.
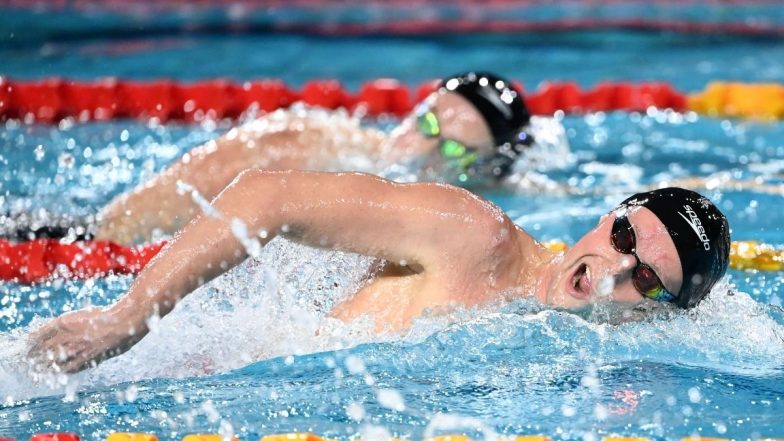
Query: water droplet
{"x":131,"y":393}
{"x":355,"y":365}
{"x":371,"y":432}
{"x":39,"y":152}
{"x":65,"y":160}
{"x":391,"y":399}
{"x":694,"y":395}
{"x":355,"y":411}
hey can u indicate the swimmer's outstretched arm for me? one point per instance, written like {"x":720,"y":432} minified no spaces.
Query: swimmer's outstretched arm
{"x":438,"y":229}
{"x":156,"y":204}
{"x":209,"y":168}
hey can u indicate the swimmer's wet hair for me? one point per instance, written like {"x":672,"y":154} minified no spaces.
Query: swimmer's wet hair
{"x":502,"y":107}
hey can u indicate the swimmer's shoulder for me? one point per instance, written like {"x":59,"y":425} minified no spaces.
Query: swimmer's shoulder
{"x":330,"y":132}
{"x":490,"y":245}
{"x":300,"y":118}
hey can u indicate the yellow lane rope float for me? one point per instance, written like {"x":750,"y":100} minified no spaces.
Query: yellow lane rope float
{"x":761,"y":101}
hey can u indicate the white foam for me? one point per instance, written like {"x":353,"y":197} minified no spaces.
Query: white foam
{"x":550,"y":151}
{"x":256,"y":312}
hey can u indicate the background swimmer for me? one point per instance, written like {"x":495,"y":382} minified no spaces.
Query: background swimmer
{"x":469,"y":132}
{"x":443,"y":246}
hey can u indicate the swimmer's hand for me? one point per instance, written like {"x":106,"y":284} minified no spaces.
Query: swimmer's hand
{"x":78,"y":340}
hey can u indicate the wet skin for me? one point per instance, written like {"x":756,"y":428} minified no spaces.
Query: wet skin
{"x":450,"y":248}
{"x":285,"y":141}
{"x":593,"y":270}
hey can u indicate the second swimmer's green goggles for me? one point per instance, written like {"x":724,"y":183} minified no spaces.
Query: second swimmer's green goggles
{"x":452,"y":150}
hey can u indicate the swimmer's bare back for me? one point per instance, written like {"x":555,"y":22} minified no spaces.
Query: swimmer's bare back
{"x":283,"y":140}
{"x":450,"y":247}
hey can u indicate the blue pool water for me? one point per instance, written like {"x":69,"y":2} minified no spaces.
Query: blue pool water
{"x":241,"y":356}
{"x":688,"y":62}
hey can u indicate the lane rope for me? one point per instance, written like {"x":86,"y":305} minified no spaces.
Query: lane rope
{"x":53,"y":99}
{"x":40,"y":260}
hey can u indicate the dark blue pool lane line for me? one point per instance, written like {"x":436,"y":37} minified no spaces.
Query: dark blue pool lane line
{"x":25,"y":22}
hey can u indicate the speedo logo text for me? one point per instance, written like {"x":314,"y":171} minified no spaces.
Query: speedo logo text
{"x":694,"y":222}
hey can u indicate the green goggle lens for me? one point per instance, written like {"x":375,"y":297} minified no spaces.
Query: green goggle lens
{"x":456,"y":152}
{"x":452,"y":149}
{"x":428,"y":125}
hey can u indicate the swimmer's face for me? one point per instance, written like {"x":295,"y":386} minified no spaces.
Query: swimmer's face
{"x":457,"y":120}
{"x":593,"y":271}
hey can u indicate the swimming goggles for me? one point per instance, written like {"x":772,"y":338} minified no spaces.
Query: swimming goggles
{"x":644,"y":278}
{"x":454,"y":151}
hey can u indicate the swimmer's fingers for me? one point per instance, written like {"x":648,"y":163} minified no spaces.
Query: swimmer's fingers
{"x":65,"y":353}
{"x":40,"y":349}
{"x":39,"y":338}
{"x":69,"y":343}
{"x":50,"y":354}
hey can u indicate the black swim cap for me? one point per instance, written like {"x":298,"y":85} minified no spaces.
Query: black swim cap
{"x":502,"y":107}
{"x":40,"y":224}
{"x":700,"y":233}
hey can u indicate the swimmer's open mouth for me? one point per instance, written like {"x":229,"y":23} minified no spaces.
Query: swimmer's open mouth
{"x":581,"y":282}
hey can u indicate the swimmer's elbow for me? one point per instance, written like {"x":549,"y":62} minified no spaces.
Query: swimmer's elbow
{"x":257,"y":176}
{"x":248,"y":175}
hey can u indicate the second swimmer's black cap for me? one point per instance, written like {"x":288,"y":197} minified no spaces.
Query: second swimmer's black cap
{"x":501,"y":106}
{"x":700,"y":233}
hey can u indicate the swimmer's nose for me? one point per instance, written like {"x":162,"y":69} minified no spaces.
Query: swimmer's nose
{"x":620,"y":267}
{"x":612,"y":273}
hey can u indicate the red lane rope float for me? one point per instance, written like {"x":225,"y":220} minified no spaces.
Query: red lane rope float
{"x":41,"y":259}
{"x":52,"y":99}
{"x":55,"y":436}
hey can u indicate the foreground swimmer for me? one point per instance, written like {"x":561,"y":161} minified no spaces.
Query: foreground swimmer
{"x":470,"y":131}
{"x":443,"y":246}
